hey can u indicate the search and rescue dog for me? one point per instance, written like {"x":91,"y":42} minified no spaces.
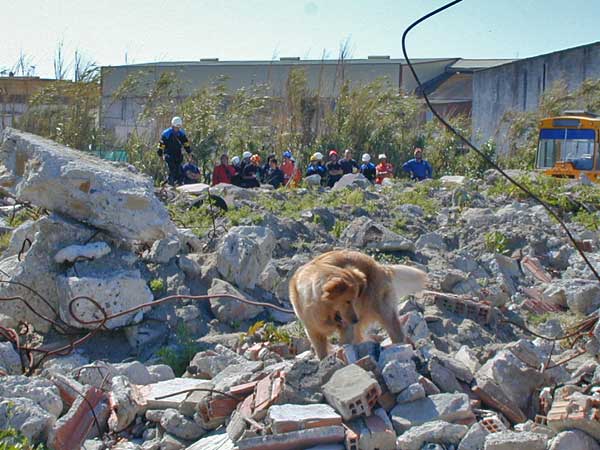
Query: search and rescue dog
{"x":346,"y":291}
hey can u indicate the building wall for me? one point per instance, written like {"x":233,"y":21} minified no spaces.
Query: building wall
{"x":120,"y":116}
{"x":518,"y":86}
{"x":15,"y":93}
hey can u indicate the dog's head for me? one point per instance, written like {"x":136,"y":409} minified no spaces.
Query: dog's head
{"x":407,"y":280}
{"x":340,"y":292}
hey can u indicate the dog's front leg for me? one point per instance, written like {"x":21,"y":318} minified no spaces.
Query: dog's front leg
{"x":319,"y":343}
{"x":348,"y":334}
{"x":391,"y":323}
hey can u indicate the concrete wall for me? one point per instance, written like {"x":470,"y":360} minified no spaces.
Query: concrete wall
{"x":120,"y":116}
{"x":518,"y":86}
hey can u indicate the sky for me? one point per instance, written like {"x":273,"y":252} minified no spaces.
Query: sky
{"x":112,"y":32}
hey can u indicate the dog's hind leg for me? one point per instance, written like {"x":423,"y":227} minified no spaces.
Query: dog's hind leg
{"x":319,"y":343}
{"x":391,"y":322}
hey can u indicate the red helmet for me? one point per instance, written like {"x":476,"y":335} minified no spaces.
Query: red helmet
{"x":333,"y":152}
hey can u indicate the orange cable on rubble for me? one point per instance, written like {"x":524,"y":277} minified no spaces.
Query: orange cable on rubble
{"x":474,"y":148}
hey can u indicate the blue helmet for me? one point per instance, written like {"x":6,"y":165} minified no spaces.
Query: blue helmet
{"x":287,"y":154}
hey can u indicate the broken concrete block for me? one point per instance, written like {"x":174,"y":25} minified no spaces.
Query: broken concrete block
{"x":39,"y":390}
{"x":86,"y":418}
{"x":399,"y":375}
{"x":73,"y":253}
{"x":219,"y":441}
{"x":160,"y":372}
{"x":475,"y":438}
{"x":412,"y":393}
{"x":227,"y":309}
{"x":509,"y":440}
{"x":82,"y":186}
{"x":371,"y":432}
{"x":26,"y":416}
{"x":467,"y":357}
{"x":294,"y":439}
{"x":433,"y":432}
{"x":429,"y":387}
{"x":573,"y":439}
{"x":443,"y":377}
{"x":395,"y":352}
{"x":458,"y":369}
{"x":159,"y":395}
{"x":115,"y":292}
{"x":212,"y":408}
{"x":126,"y":403}
{"x":364,"y":232}
{"x":352,"y":391}
{"x":414,"y":326}
{"x":243,"y":254}
{"x":286,"y":418}
{"x":135,"y":371}
{"x":491,"y":394}
{"x":10,"y":362}
{"x":180,"y":426}
{"x":164,"y":250}
{"x":446,"y":407}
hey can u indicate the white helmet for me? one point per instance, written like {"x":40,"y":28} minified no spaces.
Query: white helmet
{"x":382,"y":156}
{"x":319,"y":156}
{"x":246,"y":155}
{"x":366,"y":157}
{"x":176,"y":121}
{"x":235,"y":160}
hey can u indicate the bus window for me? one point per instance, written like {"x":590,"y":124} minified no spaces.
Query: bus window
{"x":570,"y":145}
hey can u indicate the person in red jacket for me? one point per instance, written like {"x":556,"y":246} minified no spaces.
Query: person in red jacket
{"x":224,"y":172}
{"x":384,"y":169}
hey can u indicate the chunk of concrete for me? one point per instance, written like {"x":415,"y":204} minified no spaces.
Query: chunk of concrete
{"x":446,"y":407}
{"x":227,"y":309}
{"x":371,"y":432}
{"x":126,"y":403}
{"x":40,"y":390}
{"x":294,"y":439}
{"x":81,"y":186}
{"x":10,"y":362}
{"x":243,"y":254}
{"x":573,"y":439}
{"x":475,"y":438}
{"x":218,"y":441}
{"x":364,"y":232}
{"x":412,"y":393}
{"x":160,"y":395}
{"x":72,"y":253}
{"x":286,"y":418}
{"x":26,"y":416}
{"x":352,"y":391}
{"x":399,"y":375}
{"x":115,"y":293}
{"x":510,"y":440}
{"x":180,"y":426}
{"x":433,"y":432}
{"x":395,"y":352}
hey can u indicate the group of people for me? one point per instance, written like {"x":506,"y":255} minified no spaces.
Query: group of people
{"x":248,"y":171}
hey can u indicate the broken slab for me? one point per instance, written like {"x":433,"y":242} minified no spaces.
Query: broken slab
{"x":160,"y":395}
{"x":286,"y":418}
{"x":39,"y":390}
{"x":579,"y":412}
{"x":219,"y":441}
{"x":371,"y":432}
{"x":446,"y":407}
{"x":399,"y":375}
{"x":439,"y":432}
{"x":352,"y":391}
{"x":573,"y":439}
{"x":227,"y":309}
{"x":115,"y":292}
{"x":72,"y":253}
{"x":510,"y":440}
{"x":79,"y":185}
{"x":26,"y":416}
{"x":294,"y":440}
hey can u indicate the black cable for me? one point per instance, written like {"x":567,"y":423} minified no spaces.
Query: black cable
{"x":473,"y":147}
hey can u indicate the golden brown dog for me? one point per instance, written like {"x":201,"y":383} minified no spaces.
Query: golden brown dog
{"x":346,"y":291}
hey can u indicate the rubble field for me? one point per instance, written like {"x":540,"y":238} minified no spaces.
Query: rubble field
{"x":501,"y":351}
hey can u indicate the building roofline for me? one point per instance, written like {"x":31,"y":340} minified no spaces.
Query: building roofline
{"x":284,"y":62}
{"x":543,"y":55}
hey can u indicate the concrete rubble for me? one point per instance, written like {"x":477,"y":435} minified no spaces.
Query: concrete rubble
{"x":222,"y":374}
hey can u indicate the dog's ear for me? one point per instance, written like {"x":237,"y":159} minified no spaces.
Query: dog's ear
{"x":361,"y":280}
{"x":334,"y":287}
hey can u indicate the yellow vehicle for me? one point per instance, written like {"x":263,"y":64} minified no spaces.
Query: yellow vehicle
{"x":568,"y":145}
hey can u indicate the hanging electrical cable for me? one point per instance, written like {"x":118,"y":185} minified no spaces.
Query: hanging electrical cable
{"x":474,"y":148}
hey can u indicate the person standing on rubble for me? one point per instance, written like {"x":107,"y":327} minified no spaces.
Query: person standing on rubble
{"x":170,"y":149}
{"x":419,"y":168}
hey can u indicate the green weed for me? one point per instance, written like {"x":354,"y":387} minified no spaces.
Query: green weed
{"x":179,"y":359}
{"x":338,"y":228}
{"x":156,"y":286}
{"x":496,"y":242}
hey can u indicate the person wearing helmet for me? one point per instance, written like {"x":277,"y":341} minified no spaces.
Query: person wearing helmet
{"x":334,"y":169}
{"x":367,"y":168}
{"x":236,"y":179}
{"x":172,"y":141}
{"x":224,"y":172}
{"x":315,"y":167}
{"x":418,"y":168}
{"x":291,"y":174}
{"x":349,"y":164}
{"x":250,"y":173}
{"x":245,"y":161}
{"x":384,"y":169}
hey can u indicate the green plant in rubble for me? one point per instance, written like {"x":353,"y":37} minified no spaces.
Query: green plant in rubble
{"x":4,"y":241}
{"x":179,"y":358}
{"x":338,"y":228}
{"x":12,"y":438}
{"x":497,"y":242}
{"x":156,"y":285}
{"x":418,"y":195}
{"x":589,"y":220}
{"x":399,"y":223}
{"x":197,"y":219}
{"x":269,"y":332}
{"x":237,"y":216}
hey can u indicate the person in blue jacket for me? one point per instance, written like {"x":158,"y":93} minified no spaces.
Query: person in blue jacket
{"x":419,"y":168}
{"x":316,"y":167}
{"x":367,"y":168}
{"x":170,"y":149}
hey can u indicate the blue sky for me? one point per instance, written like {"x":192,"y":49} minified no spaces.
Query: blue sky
{"x":152,"y":30}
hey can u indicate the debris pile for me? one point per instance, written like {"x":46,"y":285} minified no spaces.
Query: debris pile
{"x":500,"y":354}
